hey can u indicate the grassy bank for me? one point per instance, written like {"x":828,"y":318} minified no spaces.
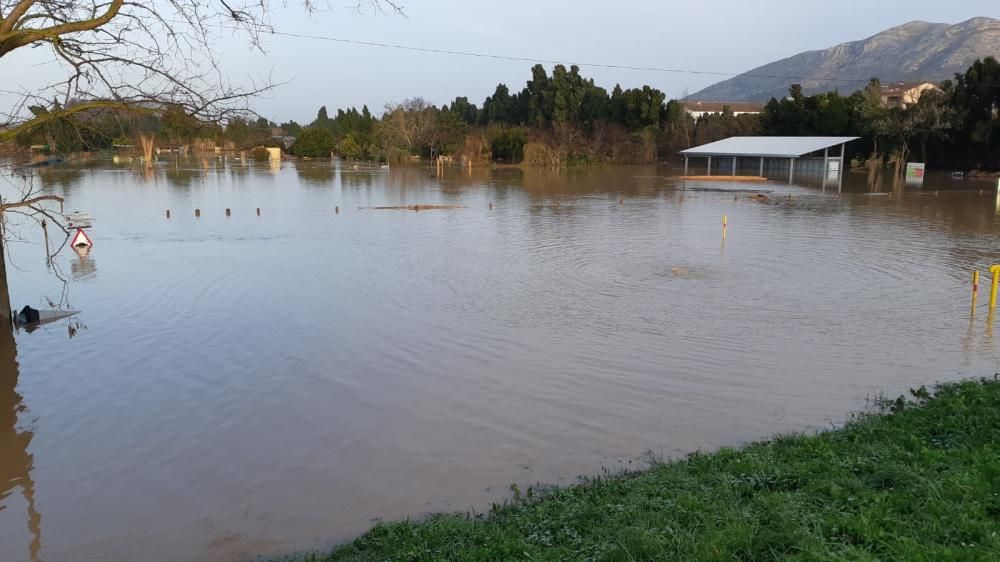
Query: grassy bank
{"x":920,"y":483}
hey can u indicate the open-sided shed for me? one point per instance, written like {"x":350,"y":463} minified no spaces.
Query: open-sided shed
{"x":735,"y":150}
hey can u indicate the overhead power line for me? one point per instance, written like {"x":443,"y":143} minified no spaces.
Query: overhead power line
{"x":552,"y":61}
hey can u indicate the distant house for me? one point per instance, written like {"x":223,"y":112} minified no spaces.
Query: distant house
{"x":699,"y":109}
{"x":904,"y":94}
{"x":286,"y":141}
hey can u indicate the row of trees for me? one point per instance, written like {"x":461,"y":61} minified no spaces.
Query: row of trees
{"x":565,"y":113}
{"x":575,"y":120}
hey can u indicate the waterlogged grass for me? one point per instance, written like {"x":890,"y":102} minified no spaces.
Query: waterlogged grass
{"x":919,"y":483}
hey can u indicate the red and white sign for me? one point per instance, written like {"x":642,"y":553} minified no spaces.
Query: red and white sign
{"x":81,"y":240}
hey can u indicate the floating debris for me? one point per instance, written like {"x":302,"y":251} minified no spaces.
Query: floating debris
{"x":413,"y":207}
{"x":724,"y":178}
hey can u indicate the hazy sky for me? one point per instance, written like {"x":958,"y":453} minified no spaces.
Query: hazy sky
{"x":724,"y":35}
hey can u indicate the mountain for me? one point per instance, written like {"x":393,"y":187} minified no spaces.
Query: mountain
{"x":916,"y":51}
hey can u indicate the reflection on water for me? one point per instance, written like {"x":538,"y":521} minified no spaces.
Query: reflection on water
{"x":17,"y":489}
{"x":258,"y":384}
{"x":84,"y":266}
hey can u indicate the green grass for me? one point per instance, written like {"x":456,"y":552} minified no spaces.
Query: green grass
{"x":919,"y":483}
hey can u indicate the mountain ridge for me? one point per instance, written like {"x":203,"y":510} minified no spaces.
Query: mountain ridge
{"x":913,"y":51}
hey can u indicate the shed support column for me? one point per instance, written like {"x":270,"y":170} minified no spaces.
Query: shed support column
{"x":791,"y":171}
{"x":762,"y":166}
{"x":685,"y":165}
{"x":840,"y":175}
{"x":735,"y":158}
{"x":709,"y":166}
{"x":826,"y":166}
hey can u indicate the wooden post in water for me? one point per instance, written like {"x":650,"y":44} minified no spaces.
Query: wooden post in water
{"x":45,"y":234}
{"x":197,"y":213}
{"x":725,"y":225}
{"x":258,"y":211}
{"x":975,"y":289}
{"x":229,"y":213}
{"x":168,"y":213}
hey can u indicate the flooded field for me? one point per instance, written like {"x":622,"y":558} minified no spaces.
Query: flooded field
{"x":264,"y":384}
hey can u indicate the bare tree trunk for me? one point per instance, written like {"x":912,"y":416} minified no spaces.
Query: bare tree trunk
{"x":902,"y":155}
{"x":874,"y":164}
{"x":146,"y":140}
{"x":6,"y":314}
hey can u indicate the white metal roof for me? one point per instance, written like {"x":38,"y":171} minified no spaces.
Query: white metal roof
{"x":767,"y":147}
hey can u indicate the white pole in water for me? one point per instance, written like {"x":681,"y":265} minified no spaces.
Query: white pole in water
{"x":998,"y":197}
{"x":826,"y":166}
{"x":843,"y":168}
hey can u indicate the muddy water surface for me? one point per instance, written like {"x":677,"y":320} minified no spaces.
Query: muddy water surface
{"x":252,"y":385}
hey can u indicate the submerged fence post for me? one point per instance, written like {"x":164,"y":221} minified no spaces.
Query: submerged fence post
{"x":975,"y":289}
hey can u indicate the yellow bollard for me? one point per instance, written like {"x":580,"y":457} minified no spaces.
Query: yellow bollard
{"x":725,"y":224}
{"x":995,"y":270}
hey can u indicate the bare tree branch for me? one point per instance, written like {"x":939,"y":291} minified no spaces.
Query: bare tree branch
{"x":30,"y":202}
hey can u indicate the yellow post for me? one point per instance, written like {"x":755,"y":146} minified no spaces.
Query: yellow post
{"x":995,"y":270}
{"x":725,"y":223}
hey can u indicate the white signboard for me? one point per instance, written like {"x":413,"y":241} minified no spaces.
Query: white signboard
{"x":915,"y":173}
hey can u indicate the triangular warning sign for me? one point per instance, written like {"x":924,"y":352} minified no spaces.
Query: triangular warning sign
{"x":81,"y":239}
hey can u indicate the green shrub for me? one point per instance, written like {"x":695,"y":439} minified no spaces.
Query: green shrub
{"x":508,"y":144}
{"x":313,"y":142}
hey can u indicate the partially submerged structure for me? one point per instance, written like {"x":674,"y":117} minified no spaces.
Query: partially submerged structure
{"x":773,"y":156}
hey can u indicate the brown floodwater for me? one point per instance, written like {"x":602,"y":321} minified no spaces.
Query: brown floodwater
{"x":265,"y":384}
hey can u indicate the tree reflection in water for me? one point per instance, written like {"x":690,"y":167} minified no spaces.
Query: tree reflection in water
{"x":16,"y":462}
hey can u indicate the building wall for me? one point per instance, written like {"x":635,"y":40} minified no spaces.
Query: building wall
{"x":906,"y":98}
{"x":700,"y":114}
